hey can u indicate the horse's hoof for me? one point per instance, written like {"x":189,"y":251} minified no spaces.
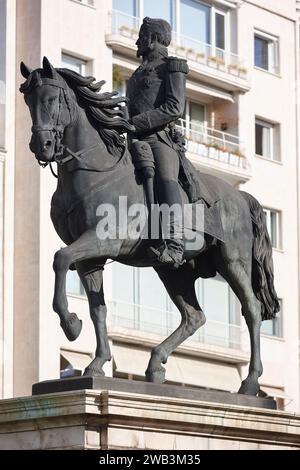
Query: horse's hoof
{"x":249,"y":387}
{"x":156,"y":375}
{"x":72,"y":326}
{"x":94,"y":369}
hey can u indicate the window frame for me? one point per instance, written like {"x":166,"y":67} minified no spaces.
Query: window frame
{"x":214,"y":10}
{"x":187,"y":115}
{"x":277,"y":321}
{"x":74,"y":58}
{"x":275,"y":139}
{"x":272,"y":40}
{"x":267,"y":125}
{"x":268,"y":211}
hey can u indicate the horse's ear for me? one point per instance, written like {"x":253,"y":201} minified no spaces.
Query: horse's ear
{"x":49,"y":69}
{"x":25,"y":71}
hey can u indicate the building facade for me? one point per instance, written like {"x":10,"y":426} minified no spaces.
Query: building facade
{"x":241,"y":123}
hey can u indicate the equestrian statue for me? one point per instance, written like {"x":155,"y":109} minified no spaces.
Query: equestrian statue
{"x":107,"y":147}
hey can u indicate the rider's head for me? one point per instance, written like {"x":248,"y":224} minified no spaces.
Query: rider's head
{"x":153,"y":33}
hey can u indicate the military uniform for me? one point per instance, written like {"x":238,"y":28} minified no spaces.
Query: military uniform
{"x":156,"y":93}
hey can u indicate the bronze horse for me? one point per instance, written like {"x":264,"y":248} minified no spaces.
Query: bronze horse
{"x":81,"y":129}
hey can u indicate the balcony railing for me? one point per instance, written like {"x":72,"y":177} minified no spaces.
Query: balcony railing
{"x":212,"y":143}
{"x":184,"y":46}
{"x":163,"y":322}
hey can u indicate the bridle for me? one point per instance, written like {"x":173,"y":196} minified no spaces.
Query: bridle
{"x":62,"y":154}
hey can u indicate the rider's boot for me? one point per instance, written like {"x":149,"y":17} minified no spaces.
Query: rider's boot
{"x":171,"y":251}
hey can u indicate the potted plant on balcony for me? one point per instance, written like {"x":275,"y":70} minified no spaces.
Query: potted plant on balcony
{"x":236,"y":156}
{"x":221,"y":64}
{"x":200,"y":57}
{"x":243,"y":71}
{"x":212,"y":61}
{"x":181,"y":51}
{"x":125,"y":31}
{"x":224,"y":155}
{"x":134,"y":33}
{"x":233,"y":69}
{"x":191,"y":54}
{"x":213,"y":150}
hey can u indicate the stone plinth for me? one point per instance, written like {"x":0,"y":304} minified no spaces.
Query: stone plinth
{"x":95,"y":419}
{"x":148,"y":388}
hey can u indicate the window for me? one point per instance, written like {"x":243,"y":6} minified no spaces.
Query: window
{"x":195,"y":20}
{"x":266,"y":52}
{"x":129,"y":7}
{"x":220,"y":22}
{"x":195,"y":120}
{"x":74,"y":285}
{"x":273,"y":221}
{"x":267,"y":140}
{"x":73,"y":63}
{"x":160,"y":9}
{"x":273,"y":327}
{"x":197,"y":115}
{"x":140,"y":301}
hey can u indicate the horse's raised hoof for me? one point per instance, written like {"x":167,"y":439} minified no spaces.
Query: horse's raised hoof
{"x":94,"y":369}
{"x":249,"y":387}
{"x":72,"y":326}
{"x":156,"y":375}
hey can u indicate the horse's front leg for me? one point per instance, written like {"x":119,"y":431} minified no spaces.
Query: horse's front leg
{"x":93,"y":284}
{"x":86,"y":247}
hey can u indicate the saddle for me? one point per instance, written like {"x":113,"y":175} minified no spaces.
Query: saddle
{"x":197,"y":186}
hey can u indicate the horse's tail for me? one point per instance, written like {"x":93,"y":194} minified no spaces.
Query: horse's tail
{"x":262,"y":262}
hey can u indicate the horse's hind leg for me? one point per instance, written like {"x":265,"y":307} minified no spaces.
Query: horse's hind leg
{"x":93,"y":284}
{"x":180,"y":287}
{"x":238,"y":276}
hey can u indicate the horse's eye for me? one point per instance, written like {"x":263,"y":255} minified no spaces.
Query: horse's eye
{"x":52,"y":99}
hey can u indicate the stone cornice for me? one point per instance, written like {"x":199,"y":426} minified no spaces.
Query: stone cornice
{"x":149,"y":413}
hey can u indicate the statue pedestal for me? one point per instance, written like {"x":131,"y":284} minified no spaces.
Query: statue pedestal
{"x":111,"y":419}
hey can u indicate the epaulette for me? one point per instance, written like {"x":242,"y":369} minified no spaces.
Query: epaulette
{"x":177,"y":65}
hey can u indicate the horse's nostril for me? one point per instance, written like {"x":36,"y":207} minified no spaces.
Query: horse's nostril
{"x":47,"y":144}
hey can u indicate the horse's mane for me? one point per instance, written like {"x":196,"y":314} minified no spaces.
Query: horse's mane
{"x":103,"y":109}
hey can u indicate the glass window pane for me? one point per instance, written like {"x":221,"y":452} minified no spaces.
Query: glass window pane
{"x":263,"y":140}
{"x":216,"y":300}
{"x":151,"y":290}
{"x":195,"y":20}
{"x":152,"y":301}
{"x":73,"y":285}
{"x":261,"y":47}
{"x":160,"y":9}
{"x":197,"y":121}
{"x":123,"y":308}
{"x":197,"y":114}
{"x":258,"y":139}
{"x":72,"y":63}
{"x":220,"y":31}
{"x":266,"y":142}
{"x":123,"y":283}
{"x":274,"y":224}
{"x":126,"y":6}
{"x":216,"y":307}
{"x":267,"y":327}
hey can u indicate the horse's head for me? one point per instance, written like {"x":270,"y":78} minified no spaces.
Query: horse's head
{"x":46,"y":95}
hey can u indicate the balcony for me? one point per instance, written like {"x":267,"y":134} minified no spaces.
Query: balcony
{"x":215,"y":66}
{"x":215,"y":151}
{"x":163,"y":323}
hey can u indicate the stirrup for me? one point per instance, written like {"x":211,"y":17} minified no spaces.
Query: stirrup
{"x":164,"y":257}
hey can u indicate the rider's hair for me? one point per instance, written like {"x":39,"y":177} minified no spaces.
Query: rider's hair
{"x":159,"y":29}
